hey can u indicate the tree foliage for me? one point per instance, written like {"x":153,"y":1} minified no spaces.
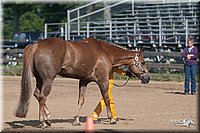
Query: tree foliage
{"x":19,"y":17}
{"x":30,"y":21}
{"x":32,"y":16}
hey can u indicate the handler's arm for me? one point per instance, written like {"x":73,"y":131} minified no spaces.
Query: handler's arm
{"x":195,"y":56}
{"x":184,"y":54}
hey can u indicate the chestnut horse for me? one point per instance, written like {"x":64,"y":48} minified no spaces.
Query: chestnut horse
{"x":88,"y":60}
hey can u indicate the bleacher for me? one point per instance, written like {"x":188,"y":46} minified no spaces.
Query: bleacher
{"x":151,"y":26}
{"x":173,"y":22}
{"x":146,"y":17}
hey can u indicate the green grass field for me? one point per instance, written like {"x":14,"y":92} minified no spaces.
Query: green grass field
{"x":165,"y":76}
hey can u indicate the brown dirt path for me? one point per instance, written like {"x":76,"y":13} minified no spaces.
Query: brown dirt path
{"x":154,"y":106}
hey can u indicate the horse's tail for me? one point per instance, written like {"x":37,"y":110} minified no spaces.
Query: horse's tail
{"x":26,"y":82}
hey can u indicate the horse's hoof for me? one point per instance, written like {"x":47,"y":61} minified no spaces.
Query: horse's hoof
{"x":76,"y":124}
{"x":48,"y":122}
{"x":97,"y":121}
{"x":43,"y":126}
{"x":113,"y":123}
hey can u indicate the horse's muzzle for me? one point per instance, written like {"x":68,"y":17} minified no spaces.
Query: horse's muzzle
{"x":145,"y":78}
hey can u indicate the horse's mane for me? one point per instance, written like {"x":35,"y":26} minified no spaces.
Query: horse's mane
{"x":116,"y":45}
{"x":113,"y":44}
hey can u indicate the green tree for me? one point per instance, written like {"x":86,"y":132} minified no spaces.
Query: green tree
{"x":7,"y":22}
{"x":56,"y":13}
{"x":11,"y":15}
{"x":8,"y":30}
{"x":29,"y":21}
{"x":32,"y":16}
{"x":18,"y":10}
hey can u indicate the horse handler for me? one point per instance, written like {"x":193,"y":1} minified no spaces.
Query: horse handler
{"x":101,"y":105}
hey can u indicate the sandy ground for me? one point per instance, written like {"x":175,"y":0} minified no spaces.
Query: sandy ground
{"x":157,"y":106}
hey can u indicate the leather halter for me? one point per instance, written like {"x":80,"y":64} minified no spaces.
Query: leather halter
{"x":137,"y":64}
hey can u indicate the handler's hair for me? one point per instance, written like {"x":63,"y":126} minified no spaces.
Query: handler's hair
{"x":191,"y":39}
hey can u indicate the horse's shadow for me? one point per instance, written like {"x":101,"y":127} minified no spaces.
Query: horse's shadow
{"x":177,"y":93}
{"x":35,"y":123}
{"x":21,"y":124}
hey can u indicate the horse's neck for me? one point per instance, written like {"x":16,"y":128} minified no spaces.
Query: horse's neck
{"x":122,"y":59}
{"x":119,"y":56}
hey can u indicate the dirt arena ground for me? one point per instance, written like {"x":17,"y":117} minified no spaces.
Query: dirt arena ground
{"x":157,"y":106}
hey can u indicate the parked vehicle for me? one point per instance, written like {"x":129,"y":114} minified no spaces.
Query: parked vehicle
{"x":18,"y":43}
{"x":22,"y":39}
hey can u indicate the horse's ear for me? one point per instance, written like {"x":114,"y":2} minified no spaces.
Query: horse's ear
{"x":140,"y":49}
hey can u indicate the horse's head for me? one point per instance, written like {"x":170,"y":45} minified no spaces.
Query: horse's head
{"x":138,"y":67}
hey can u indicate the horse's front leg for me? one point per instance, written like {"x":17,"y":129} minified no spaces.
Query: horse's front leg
{"x":81,"y":99}
{"x":104,"y":91}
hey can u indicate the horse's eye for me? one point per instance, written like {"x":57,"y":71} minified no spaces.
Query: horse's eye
{"x":143,"y":62}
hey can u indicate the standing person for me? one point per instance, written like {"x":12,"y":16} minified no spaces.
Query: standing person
{"x":101,"y":105}
{"x":189,"y":55}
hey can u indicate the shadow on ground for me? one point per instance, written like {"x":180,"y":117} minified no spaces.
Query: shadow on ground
{"x":35,"y":123}
{"x":178,"y":93}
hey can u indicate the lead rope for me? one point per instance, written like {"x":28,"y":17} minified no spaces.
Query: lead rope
{"x":136,"y":59}
{"x":122,"y":84}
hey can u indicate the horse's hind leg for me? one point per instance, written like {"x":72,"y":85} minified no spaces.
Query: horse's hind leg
{"x":81,"y":99}
{"x":45,"y":90}
{"x":36,"y":94}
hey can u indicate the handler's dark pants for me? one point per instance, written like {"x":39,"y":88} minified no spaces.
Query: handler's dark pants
{"x":190,"y":75}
